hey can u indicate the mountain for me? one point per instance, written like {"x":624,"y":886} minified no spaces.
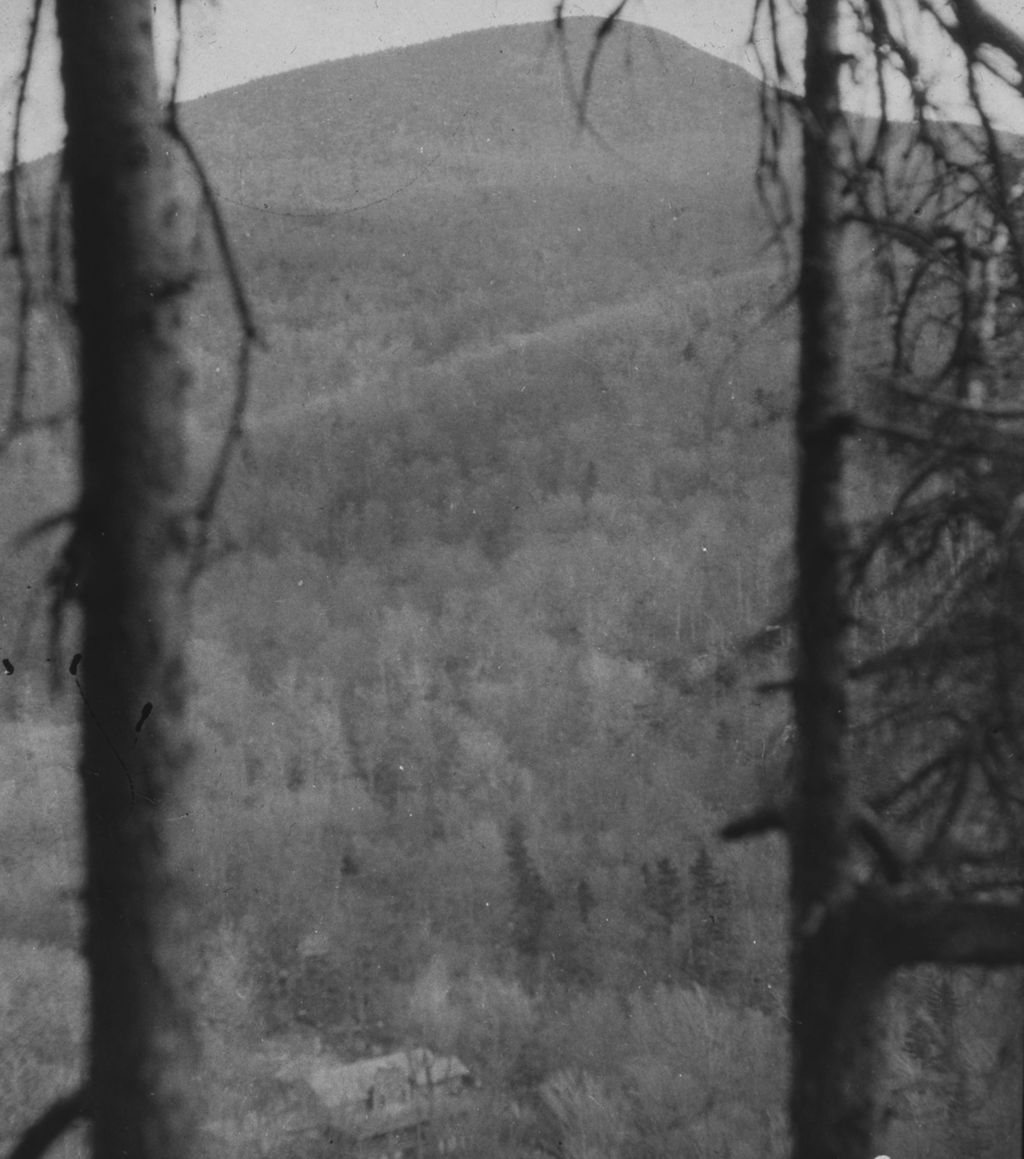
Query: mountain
{"x":422,"y":202}
{"x":470,"y":697}
{"x":467,"y":299}
{"x":514,"y":484}
{"x":515,"y":478}
{"x":491,"y":107}
{"x":453,"y":179}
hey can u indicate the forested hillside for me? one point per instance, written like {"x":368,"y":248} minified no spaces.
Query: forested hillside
{"x":494,"y":584}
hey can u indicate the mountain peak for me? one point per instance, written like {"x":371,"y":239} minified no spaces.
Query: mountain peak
{"x":489,"y":104}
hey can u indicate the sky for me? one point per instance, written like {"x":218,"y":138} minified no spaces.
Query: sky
{"x":231,"y":41}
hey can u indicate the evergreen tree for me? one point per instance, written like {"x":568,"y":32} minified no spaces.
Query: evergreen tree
{"x":663,"y":898}
{"x":585,"y":900}
{"x":709,"y":897}
{"x":663,"y":891}
{"x":531,"y":898}
{"x":588,"y":483}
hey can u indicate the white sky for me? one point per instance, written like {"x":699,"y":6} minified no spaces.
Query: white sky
{"x":230,"y":41}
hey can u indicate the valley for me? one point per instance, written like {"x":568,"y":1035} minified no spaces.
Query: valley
{"x":478,"y":653}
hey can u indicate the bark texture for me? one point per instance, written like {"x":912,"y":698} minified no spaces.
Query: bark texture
{"x":837,"y":985}
{"x":128,"y":558}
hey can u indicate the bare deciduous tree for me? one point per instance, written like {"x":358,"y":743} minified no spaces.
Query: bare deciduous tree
{"x":904,"y":814}
{"x":128,"y":560}
{"x":928,"y":199}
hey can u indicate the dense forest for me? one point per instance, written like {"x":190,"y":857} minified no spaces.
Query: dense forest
{"x":484,"y":648}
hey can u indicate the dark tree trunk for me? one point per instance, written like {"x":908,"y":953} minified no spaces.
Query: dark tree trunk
{"x":129,"y":556}
{"x":837,"y":986}
{"x":839,"y":983}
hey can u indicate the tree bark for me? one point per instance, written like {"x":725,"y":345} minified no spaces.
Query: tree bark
{"x":129,"y":557}
{"x":837,"y":982}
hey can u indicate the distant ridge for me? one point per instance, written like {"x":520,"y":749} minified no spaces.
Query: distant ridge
{"x":437,"y":206}
{"x":637,"y":61}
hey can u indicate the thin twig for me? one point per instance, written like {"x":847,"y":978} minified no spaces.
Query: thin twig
{"x":240,"y":299}
{"x":16,"y":247}
{"x":250,"y":335}
{"x":979,"y":410}
{"x":16,"y":244}
{"x":604,"y":30}
{"x":579,"y":99}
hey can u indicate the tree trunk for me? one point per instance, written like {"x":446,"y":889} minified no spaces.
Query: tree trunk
{"x":129,"y":557}
{"x":839,"y":982}
{"x":836,"y":985}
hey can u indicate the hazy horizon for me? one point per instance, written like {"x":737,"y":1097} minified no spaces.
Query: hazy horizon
{"x":229,"y":42}
{"x":234,"y":41}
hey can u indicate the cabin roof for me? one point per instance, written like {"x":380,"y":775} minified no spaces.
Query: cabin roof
{"x":340,"y":1084}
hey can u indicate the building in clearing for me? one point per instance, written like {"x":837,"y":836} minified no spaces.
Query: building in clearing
{"x":405,"y":1104}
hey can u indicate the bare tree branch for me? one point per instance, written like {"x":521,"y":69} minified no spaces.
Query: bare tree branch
{"x":604,"y":30}
{"x":874,"y":834}
{"x":767,"y":820}
{"x":867,"y":824}
{"x":580,"y":98}
{"x":982,"y":27}
{"x":16,"y":246}
{"x":250,"y":335}
{"x":918,"y":927}
{"x":59,"y":1116}
{"x":16,"y":240}
{"x":994,"y":412}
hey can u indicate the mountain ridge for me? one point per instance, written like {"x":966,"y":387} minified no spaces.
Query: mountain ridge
{"x":489,"y":105}
{"x":417,"y":229}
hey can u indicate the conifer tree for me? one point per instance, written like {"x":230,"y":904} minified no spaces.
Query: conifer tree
{"x":585,"y":900}
{"x":709,"y":901}
{"x":531,"y":898}
{"x":663,"y":891}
